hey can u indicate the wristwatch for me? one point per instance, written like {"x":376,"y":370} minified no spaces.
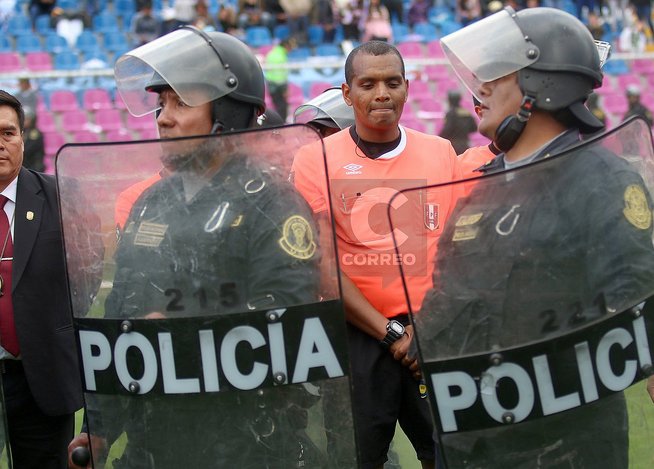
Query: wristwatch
{"x":394,"y":332}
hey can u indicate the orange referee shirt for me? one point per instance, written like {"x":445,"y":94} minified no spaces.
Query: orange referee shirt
{"x":361,"y":192}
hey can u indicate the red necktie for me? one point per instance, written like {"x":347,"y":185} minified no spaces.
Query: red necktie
{"x":8,"y":338}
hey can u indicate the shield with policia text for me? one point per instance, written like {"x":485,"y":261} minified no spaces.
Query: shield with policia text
{"x":539,"y":325}
{"x":215,"y":336}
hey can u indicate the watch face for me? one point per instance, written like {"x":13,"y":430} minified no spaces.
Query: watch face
{"x":397,"y":327}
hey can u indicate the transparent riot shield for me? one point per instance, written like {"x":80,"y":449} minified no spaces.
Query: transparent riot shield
{"x":216,"y":338}
{"x":540,"y":321}
{"x":5,"y":454}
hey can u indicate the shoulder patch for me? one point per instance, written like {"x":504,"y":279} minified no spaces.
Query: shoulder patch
{"x":636,"y":209}
{"x":297,"y":238}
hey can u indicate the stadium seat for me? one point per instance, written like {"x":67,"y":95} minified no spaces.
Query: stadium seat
{"x":5,"y":44}
{"x":281,"y":32}
{"x":411,"y":49}
{"x":66,"y":60}
{"x":85,"y":136}
{"x":74,"y":121}
{"x":105,"y":22}
{"x":86,"y":41}
{"x":38,"y":61}
{"x":43,"y":24}
{"x":448,"y":27}
{"x":434,"y":49}
{"x":628,"y":79}
{"x":615,"y":104}
{"x":420,"y":90}
{"x":141,"y":123}
{"x":427,"y":31}
{"x":149,"y":134}
{"x":28,"y":43}
{"x":328,"y":50}
{"x":318,"y":87}
{"x":63,"y":100}
{"x":115,"y":41}
{"x":10,"y":62}
{"x":299,"y":54}
{"x":52,"y":142}
{"x":125,"y":9}
{"x":315,"y":34}
{"x":295,"y":96}
{"x":257,"y":36}
{"x":413,"y":123}
{"x":120,"y":135}
{"x":436,"y":73}
{"x":95,"y":99}
{"x":400,"y":32}
{"x":109,"y":120}
{"x":55,"y":43}
{"x":19,"y":24}
{"x":45,"y":122}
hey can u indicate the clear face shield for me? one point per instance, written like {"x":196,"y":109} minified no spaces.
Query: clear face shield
{"x":328,"y":105}
{"x":489,"y":49}
{"x":185,"y":59}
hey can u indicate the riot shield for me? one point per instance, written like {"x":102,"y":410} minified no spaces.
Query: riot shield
{"x":539,"y":321}
{"x":217,"y":336}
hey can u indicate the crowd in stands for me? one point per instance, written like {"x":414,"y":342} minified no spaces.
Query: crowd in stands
{"x":42,"y":35}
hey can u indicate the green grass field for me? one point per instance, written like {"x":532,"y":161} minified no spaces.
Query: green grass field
{"x":641,"y":421}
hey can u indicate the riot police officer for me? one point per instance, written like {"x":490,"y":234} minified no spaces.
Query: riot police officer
{"x":327,"y":113}
{"x":220,"y":234}
{"x":549,"y":248}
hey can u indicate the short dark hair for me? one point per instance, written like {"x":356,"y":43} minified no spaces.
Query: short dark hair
{"x":10,"y":100}
{"x":370,"y":48}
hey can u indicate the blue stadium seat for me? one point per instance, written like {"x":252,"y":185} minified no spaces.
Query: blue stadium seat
{"x":19,"y":24}
{"x":427,"y":31}
{"x":66,"y":60}
{"x":55,"y":43}
{"x":315,"y":34}
{"x":124,"y":8}
{"x":299,"y":54}
{"x":115,"y":41}
{"x":87,"y":41}
{"x":281,"y":32}
{"x":325,"y":50}
{"x":447,"y":27}
{"x":105,"y":22}
{"x":257,"y":36}
{"x":5,"y":44}
{"x":28,"y":43}
{"x":400,"y":32}
{"x":42,"y":24}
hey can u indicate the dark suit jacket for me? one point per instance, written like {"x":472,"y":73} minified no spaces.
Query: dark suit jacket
{"x":41,"y":300}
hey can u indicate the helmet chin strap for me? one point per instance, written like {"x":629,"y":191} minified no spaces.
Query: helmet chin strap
{"x":510,"y":129}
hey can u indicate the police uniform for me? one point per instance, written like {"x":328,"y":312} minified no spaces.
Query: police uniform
{"x":245,"y":241}
{"x":637,"y":109}
{"x":458,"y":124}
{"x":533,"y":254}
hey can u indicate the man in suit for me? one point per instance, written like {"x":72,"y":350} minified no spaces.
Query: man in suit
{"x":38,"y":360}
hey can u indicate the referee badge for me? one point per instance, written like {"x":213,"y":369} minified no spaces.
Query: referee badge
{"x":430,"y":216}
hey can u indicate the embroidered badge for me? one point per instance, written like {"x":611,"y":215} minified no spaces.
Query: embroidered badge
{"x":465,"y":233}
{"x":636,"y":209}
{"x":465,"y":220}
{"x":150,"y":234}
{"x":430,"y":216}
{"x":297,"y":238}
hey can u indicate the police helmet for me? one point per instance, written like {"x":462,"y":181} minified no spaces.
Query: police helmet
{"x":556,"y":58}
{"x":200,"y":67}
{"x":328,"y":109}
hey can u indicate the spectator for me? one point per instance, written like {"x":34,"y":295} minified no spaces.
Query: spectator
{"x":643,"y":10}
{"x":275,"y":9}
{"x":145,"y":25}
{"x":468,"y":11}
{"x":297,"y":18}
{"x":33,"y":139}
{"x":277,"y":80}
{"x":636,"y":108}
{"x":377,"y":23}
{"x":632,"y":38}
{"x":41,"y":8}
{"x":459,"y":123}
{"x":227,"y":18}
{"x":203,"y":19}
{"x":419,"y":12}
{"x":253,"y":13}
{"x":395,"y":9}
{"x":323,"y":13}
{"x":27,"y":95}
{"x":593,"y":105}
{"x":350,"y":12}
{"x":595,"y":25}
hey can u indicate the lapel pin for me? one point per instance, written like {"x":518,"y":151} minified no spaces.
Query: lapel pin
{"x":29,"y":215}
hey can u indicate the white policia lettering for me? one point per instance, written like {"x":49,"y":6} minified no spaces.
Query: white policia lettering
{"x":457,"y":390}
{"x":314,"y":351}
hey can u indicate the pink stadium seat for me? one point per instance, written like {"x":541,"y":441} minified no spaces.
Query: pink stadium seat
{"x":109,"y":120}
{"x":85,"y":136}
{"x":10,"y":62}
{"x":643,"y":66}
{"x":434,"y":49}
{"x":419,"y":89}
{"x":318,"y":87}
{"x":120,"y":135}
{"x":430,"y":105}
{"x":149,"y":134}
{"x":413,"y":123}
{"x":628,"y":79}
{"x":94,"y":99}
{"x":411,"y":49}
{"x":74,"y":121}
{"x":141,"y":123}
{"x":119,"y":103}
{"x":295,"y":96}
{"x":63,"y":100}
{"x":45,"y":122}
{"x":615,"y":104}
{"x":52,"y":142}
{"x":38,"y":61}
{"x":437,"y":72}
